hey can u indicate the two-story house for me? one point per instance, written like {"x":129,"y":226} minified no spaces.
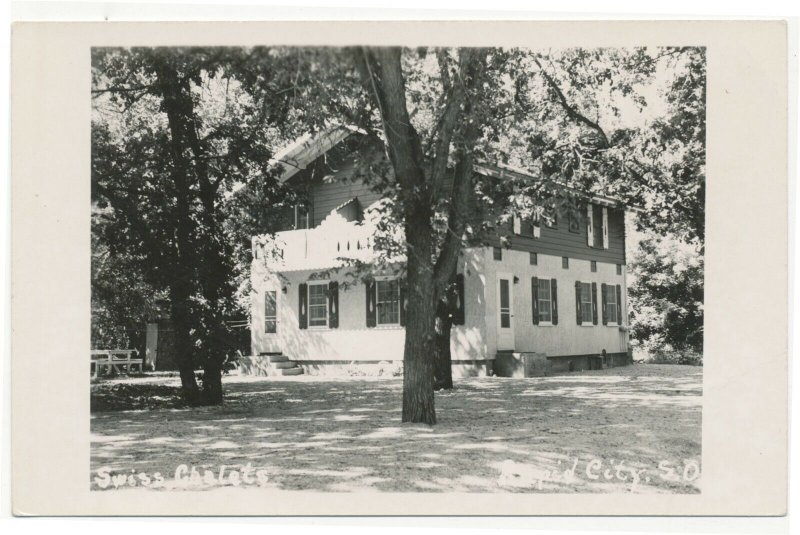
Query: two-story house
{"x":556,"y":288}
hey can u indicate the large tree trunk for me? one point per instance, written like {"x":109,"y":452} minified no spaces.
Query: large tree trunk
{"x":418,"y":399}
{"x":443,"y":364}
{"x":178,"y":110}
{"x":179,"y":297}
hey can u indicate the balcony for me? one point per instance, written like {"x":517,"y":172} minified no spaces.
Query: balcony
{"x":336,"y":242}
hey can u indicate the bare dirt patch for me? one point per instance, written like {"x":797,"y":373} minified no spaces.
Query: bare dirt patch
{"x":631,"y":429}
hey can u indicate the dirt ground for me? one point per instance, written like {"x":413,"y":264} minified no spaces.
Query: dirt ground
{"x":631,"y":429}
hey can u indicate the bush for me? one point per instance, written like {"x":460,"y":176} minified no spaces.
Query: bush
{"x":687,"y":357}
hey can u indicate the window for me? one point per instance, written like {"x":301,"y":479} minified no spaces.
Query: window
{"x":611,"y":305}
{"x":594,"y":266}
{"x":497,"y":252}
{"x":270,"y":312}
{"x":597,"y":225}
{"x":619,"y":269}
{"x":318,"y":304}
{"x":388,"y":302}
{"x":565,"y":262}
{"x":545,"y":301}
{"x":550,"y":219}
{"x":574,"y":223}
{"x":586,"y":303}
{"x":505,"y":304}
{"x":302,"y":217}
{"x":534,"y":259}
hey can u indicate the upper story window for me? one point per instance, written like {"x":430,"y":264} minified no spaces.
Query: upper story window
{"x":302,"y":216}
{"x":597,"y":226}
{"x":497,"y":253}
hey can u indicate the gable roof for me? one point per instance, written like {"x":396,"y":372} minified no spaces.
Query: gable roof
{"x":303,"y":151}
{"x":299,"y":154}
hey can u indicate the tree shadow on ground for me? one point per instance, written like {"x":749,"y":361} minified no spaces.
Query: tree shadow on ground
{"x":493,"y":434}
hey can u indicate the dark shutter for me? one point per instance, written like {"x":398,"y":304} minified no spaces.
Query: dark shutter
{"x":371,"y":312}
{"x":535,"y":299}
{"x":619,"y":305}
{"x":578,"y":300}
{"x":604,"y":303}
{"x":459,"y":318}
{"x":554,"y":300}
{"x":333,"y":304}
{"x":302,"y":308}
{"x":594,"y":303}
{"x":402,"y":303}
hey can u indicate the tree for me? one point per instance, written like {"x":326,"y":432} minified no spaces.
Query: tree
{"x":174,"y":132}
{"x":667,"y":295}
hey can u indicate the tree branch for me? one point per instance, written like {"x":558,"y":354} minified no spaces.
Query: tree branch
{"x":572,"y":113}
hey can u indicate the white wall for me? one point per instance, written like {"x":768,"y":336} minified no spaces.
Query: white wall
{"x":352,"y":340}
{"x":475,"y":340}
{"x":566,"y":338}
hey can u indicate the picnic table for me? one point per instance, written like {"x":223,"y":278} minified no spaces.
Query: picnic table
{"x":114,"y":359}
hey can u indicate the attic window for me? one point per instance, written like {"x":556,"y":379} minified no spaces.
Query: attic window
{"x":302,"y":217}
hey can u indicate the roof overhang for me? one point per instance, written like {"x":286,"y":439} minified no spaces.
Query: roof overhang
{"x":503,"y":172}
{"x":303,"y":151}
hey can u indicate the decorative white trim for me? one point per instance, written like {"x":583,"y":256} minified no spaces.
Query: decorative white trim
{"x":590,"y":225}
{"x":517,"y":222}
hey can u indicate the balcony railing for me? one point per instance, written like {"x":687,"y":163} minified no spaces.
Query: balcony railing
{"x":334,"y":243}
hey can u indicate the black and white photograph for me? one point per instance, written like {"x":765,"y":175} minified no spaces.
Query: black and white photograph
{"x":385,"y":269}
{"x":402,"y":271}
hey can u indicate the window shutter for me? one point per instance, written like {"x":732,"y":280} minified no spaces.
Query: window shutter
{"x":303,"y":306}
{"x":554,"y":300}
{"x":594,"y":303}
{"x":371,"y":312}
{"x":605,"y":227}
{"x":604,"y":303}
{"x":589,"y":225}
{"x":537,"y":231}
{"x":333,"y":305}
{"x":619,"y":305}
{"x":459,"y":317}
{"x":402,"y":304}
{"x":535,"y":299}
{"x":517,"y":224}
{"x":578,"y":300}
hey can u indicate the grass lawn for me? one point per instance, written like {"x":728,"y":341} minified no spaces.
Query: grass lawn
{"x":597,"y":431}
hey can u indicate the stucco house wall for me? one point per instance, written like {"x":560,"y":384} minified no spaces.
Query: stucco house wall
{"x":353,"y":340}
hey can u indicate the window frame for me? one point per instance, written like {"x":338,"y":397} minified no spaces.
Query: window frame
{"x":590,"y":302}
{"x":325,"y":285}
{"x":307,"y":207}
{"x":497,"y":254}
{"x":275,"y":317}
{"x":378,"y":281}
{"x":549,"y":301}
{"x":611,"y":290}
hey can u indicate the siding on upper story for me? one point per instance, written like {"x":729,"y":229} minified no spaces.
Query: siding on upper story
{"x":333,"y":179}
{"x":561,"y":241}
